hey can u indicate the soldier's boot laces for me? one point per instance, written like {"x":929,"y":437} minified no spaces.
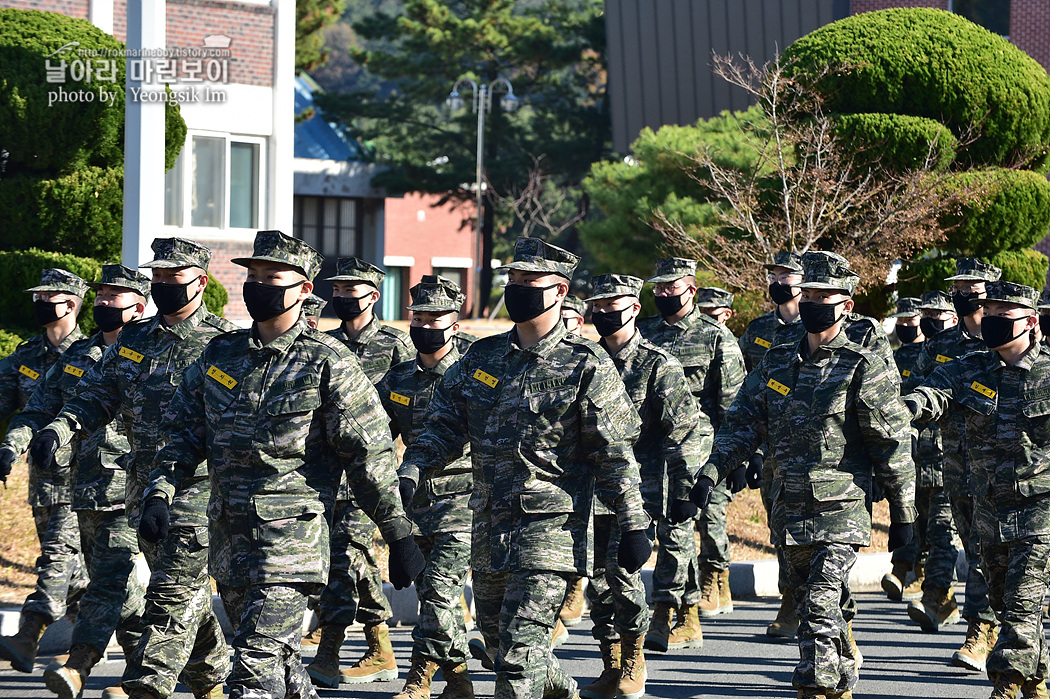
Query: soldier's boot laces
{"x":980,"y":637}
{"x":893,"y":581}
{"x":659,"y":627}
{"x":936,"y":607}
{"x":468,"y":618}
{"x":572,"y":611}
{"x":632,"y":669}
{"x":914,"y":589}
{"x":67,"y":681}
{"x":1034,"y":688}
{"x":324,"y":668}
{"x":559,"y":635}
{"x":213,"y":693}
{"x":378,"y":663}
{"x":725,"y":597}
{"x":686,"y":633}
{"x":786,"y":623}
{"x":481,"y":653}
{"x":417,"y":684}
{"x":1007,"y":686}
{"x":858,"y":659}
{"x":115,"y":693}
{"x":311,"y":639}
{"x":457,"y":683}
{"x":710,"y":601}
{"x":605,"y":686}
{"x":21,"y":648}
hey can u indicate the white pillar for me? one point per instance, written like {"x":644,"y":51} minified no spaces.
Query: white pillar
{"x":143,"y":139}
{"x":100,"y":13}
{"x":280,"y":185}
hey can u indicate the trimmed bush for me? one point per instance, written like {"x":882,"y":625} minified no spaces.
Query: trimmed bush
{"x":215,"y":296}
{"x":897,"y":141}
{"x":1013,"y":216}
{"x":21,"y":270}
{"x":1023,"y":267}
{"x":9,"y":340}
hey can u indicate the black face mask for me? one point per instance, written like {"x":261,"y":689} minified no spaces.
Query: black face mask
{"x":608,"y":322}
{"x":265,"y":301}
{"x":1044,"y":325}
{"x":780,"y":293}
{"x":171,"y":298}
{"x":348,"y":307}
{"x":428,"y":340}
{"x":996,"y":331}
{"x":109,"y":318}
{"x":669,"y":305}
{"x":818,"y":317}
{"x":907,"y":333}
{"x":931,"y":326}
{"x":46,"y":312}
{"x":525,"y":302}
{"x":963,"y":302}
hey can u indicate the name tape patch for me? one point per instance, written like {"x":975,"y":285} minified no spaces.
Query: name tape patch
{"x":487,"y":379}
{"x":131,"y":354}
{"x":778,"y":387}
{"x":982,"y":389}
{"x":942,"y":359}
{"x":398,"y":398}
{"x":221,"y":376}
{"x":26,"y":371}
{"x":763,"y":343}
{"x":70,"y":369}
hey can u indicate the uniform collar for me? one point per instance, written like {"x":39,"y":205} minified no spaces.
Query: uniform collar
{"x":693,"y":317}
{"x":181,"y":329}
{"x":629,"y":349}
{"x":367,"y":332}
{"x":823,"y":351}
{"x":542,"y":348}
{"x":1026,"y":361}
{"x":281,"y":343}
{"x":443,"y":364}
{"x":46,"y":348}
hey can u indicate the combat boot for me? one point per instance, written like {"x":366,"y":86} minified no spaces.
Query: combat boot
{"x":710,"y":604}
{"x":114,"y":693}
{"x":858,"y":659}
{"x":468,"y":618}
{"x":67,"y":681}
{"x":725,"y":597}
{"x":378,"y":663}
{"x":686,"y":633}
{"x":1007,"y":686}
{"x":914,"y":589}
{"x":324,"y":668}
{"x":1034,"y":688}
{"x":572,"y":611}
{"x":659,"y":627}
{"x":559,"y":635}
{"x":479,"y":652}
{"x":632,"y":668}
{"x":311,"y":639}
{"x":974,"y":651}
{"x":142,"y":694}
{"x":417,"y":684}
{"x":936,"y":607}
{"x":893,"y":581}
{"x":213,"y":693}
{"x":457,"y":683}
{"x":21,"y":648}
{"x":786,"y":623}
{"x":605,"y":686}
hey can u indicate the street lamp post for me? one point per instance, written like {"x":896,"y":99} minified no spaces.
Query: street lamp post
{"x":481,"y":103}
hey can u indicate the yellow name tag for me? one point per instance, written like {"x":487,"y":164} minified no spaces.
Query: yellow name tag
{"x":763,"y":343}
{"x":906,"y":373}
{"x":26,"y":371}
{"x":487,"y":379}
{"x":221,"y":376}
{"x":131,"y":354}
{"x":70,"y":369}
{"x":982,"y":389}
{"x":942,"y":359}
{"x":398,"y":398}
{"x":778,"y":387}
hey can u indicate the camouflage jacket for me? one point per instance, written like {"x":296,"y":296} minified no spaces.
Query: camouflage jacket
{"x":862,"y":330}
{"x":549,"y":427}
{"x":758,"y":337}
{"x":278,"y":423}
{"x":94,"y":472}
{"x":926,"y":449}
{"x":441,"y":501}
{"x":21,"y":373}
{"x":1007,"y":414}
{"x":377,"y":348}
{"x":463,"y":341}
{"x":831,"y":422}
{"x":135,"y":379}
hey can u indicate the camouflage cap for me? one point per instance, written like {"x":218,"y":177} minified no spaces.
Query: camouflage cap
{"x":973,"y":270}
{"x":1009,"y":292}
{"x":54,"y":279}
{"x":574,"y":303}
{"x":124,"y":277}
{"x":313,"y":305}
{"x":936,"y":301}
{"x":354,"y":269}
{"x":907,"y":307}
{"x":435,"y":294}
{"x":171,"y":253}
{"x":671,"y":268}
{"x":827,"y":270}
{"x":713,"y":297}
{"x":274,"y":246}
{"x":788,"y":260}
{"x":534,"y":255}
{"x":1044,"y":300}
{"x":608,"y":286}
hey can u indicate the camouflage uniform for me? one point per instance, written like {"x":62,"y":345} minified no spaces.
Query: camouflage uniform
{"x":135,"y":379}
{"x":277,"y":422}
{"x":831,"y":422}
{"x":549,"y":426}
{"x":313,"y":306}
{"x":1007,"y":426}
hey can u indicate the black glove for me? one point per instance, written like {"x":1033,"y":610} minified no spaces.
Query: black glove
{"x":754,"y":471}
{"x":7,"y":460}
{"x":737,"y":479}
{"x":681,"y":511}
{"x":900,"y":535}
{"x":635,"y":549}
{"x":406,"y":562}
{"x":700,"y":495}
{"x":153,"y":524}
{"x":407,"y":488}
{"x":877,"y":493}
{"x":42,"y":450}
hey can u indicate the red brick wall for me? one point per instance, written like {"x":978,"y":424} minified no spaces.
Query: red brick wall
{"x":1030,"y":29}
{"x":231,"y":275}
{"x":70,"y":8}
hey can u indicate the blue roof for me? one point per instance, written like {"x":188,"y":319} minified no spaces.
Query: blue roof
{"x":319,"y":139}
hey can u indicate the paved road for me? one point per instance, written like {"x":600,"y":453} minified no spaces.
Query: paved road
{"x":737,"y":660}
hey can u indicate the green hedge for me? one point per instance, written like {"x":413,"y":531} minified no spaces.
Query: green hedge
{"x":897,"y":141}
{"x":215,"y":296}
{"x":1014,"y":215}
{"x":1025,"y":266}
{"x":21,"y":270}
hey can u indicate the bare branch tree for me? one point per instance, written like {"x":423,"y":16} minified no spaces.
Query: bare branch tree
{"x":540,"y":204}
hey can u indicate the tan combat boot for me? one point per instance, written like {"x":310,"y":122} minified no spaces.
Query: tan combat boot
{"x":324,"y":668}
{"x":457,"y":683}
{"x":632,"y":668}
{"x":114,"y":693}
{"x":686,"y":633}
{"x":378,"y":663}
{"x":572,"y":611}
{"x":67,"y":681}
{"x":914,"y":589}
{"x":142,"y":694}
{"x":213,"y":693}
{"x":1034,"y":688}
{"x":605,"y":686}
{"x":659,"y":627}
{"x":893,"y":581}
{"x":1007,"y":686}
{"x":936,"y":607}
{"x":710,"y":600}
{"x":21,"y":648}
{"x":417,"y":684}
{"x":975,"y":649}
{"x":559,"y":635}
{"x":858,"y":659}
{"x":786,"y":623}
{"x":725,"y":597}
{"x":311,"y":639}
{"x":468,"y":618}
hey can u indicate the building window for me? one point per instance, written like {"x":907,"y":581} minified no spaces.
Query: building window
{"x":450,"y":273}
{"x":331,"y":225}
{"x":222,"y":176}
{"x":244,"y":185}
{"x":392,"y":293}
{"x":209,"y":166}
{"x":993,"y":15}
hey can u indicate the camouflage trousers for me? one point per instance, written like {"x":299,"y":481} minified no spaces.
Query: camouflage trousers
{"x":711,"y":524}
{"x":976,"y":605}
{"x":440,"y":635}
{"x":617,"y":598}
{"x":61,"y":576}
{"x":181,"y":638}
{"x":819,"y":576}
{"x":526,"y":604}
{"x":1018,"y":576}
{"x":269,"y":627}
{"x":676,"y":578}
{"x":933,"y":545}
{"x":114,"y":599}
{"x":355,"y":589}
